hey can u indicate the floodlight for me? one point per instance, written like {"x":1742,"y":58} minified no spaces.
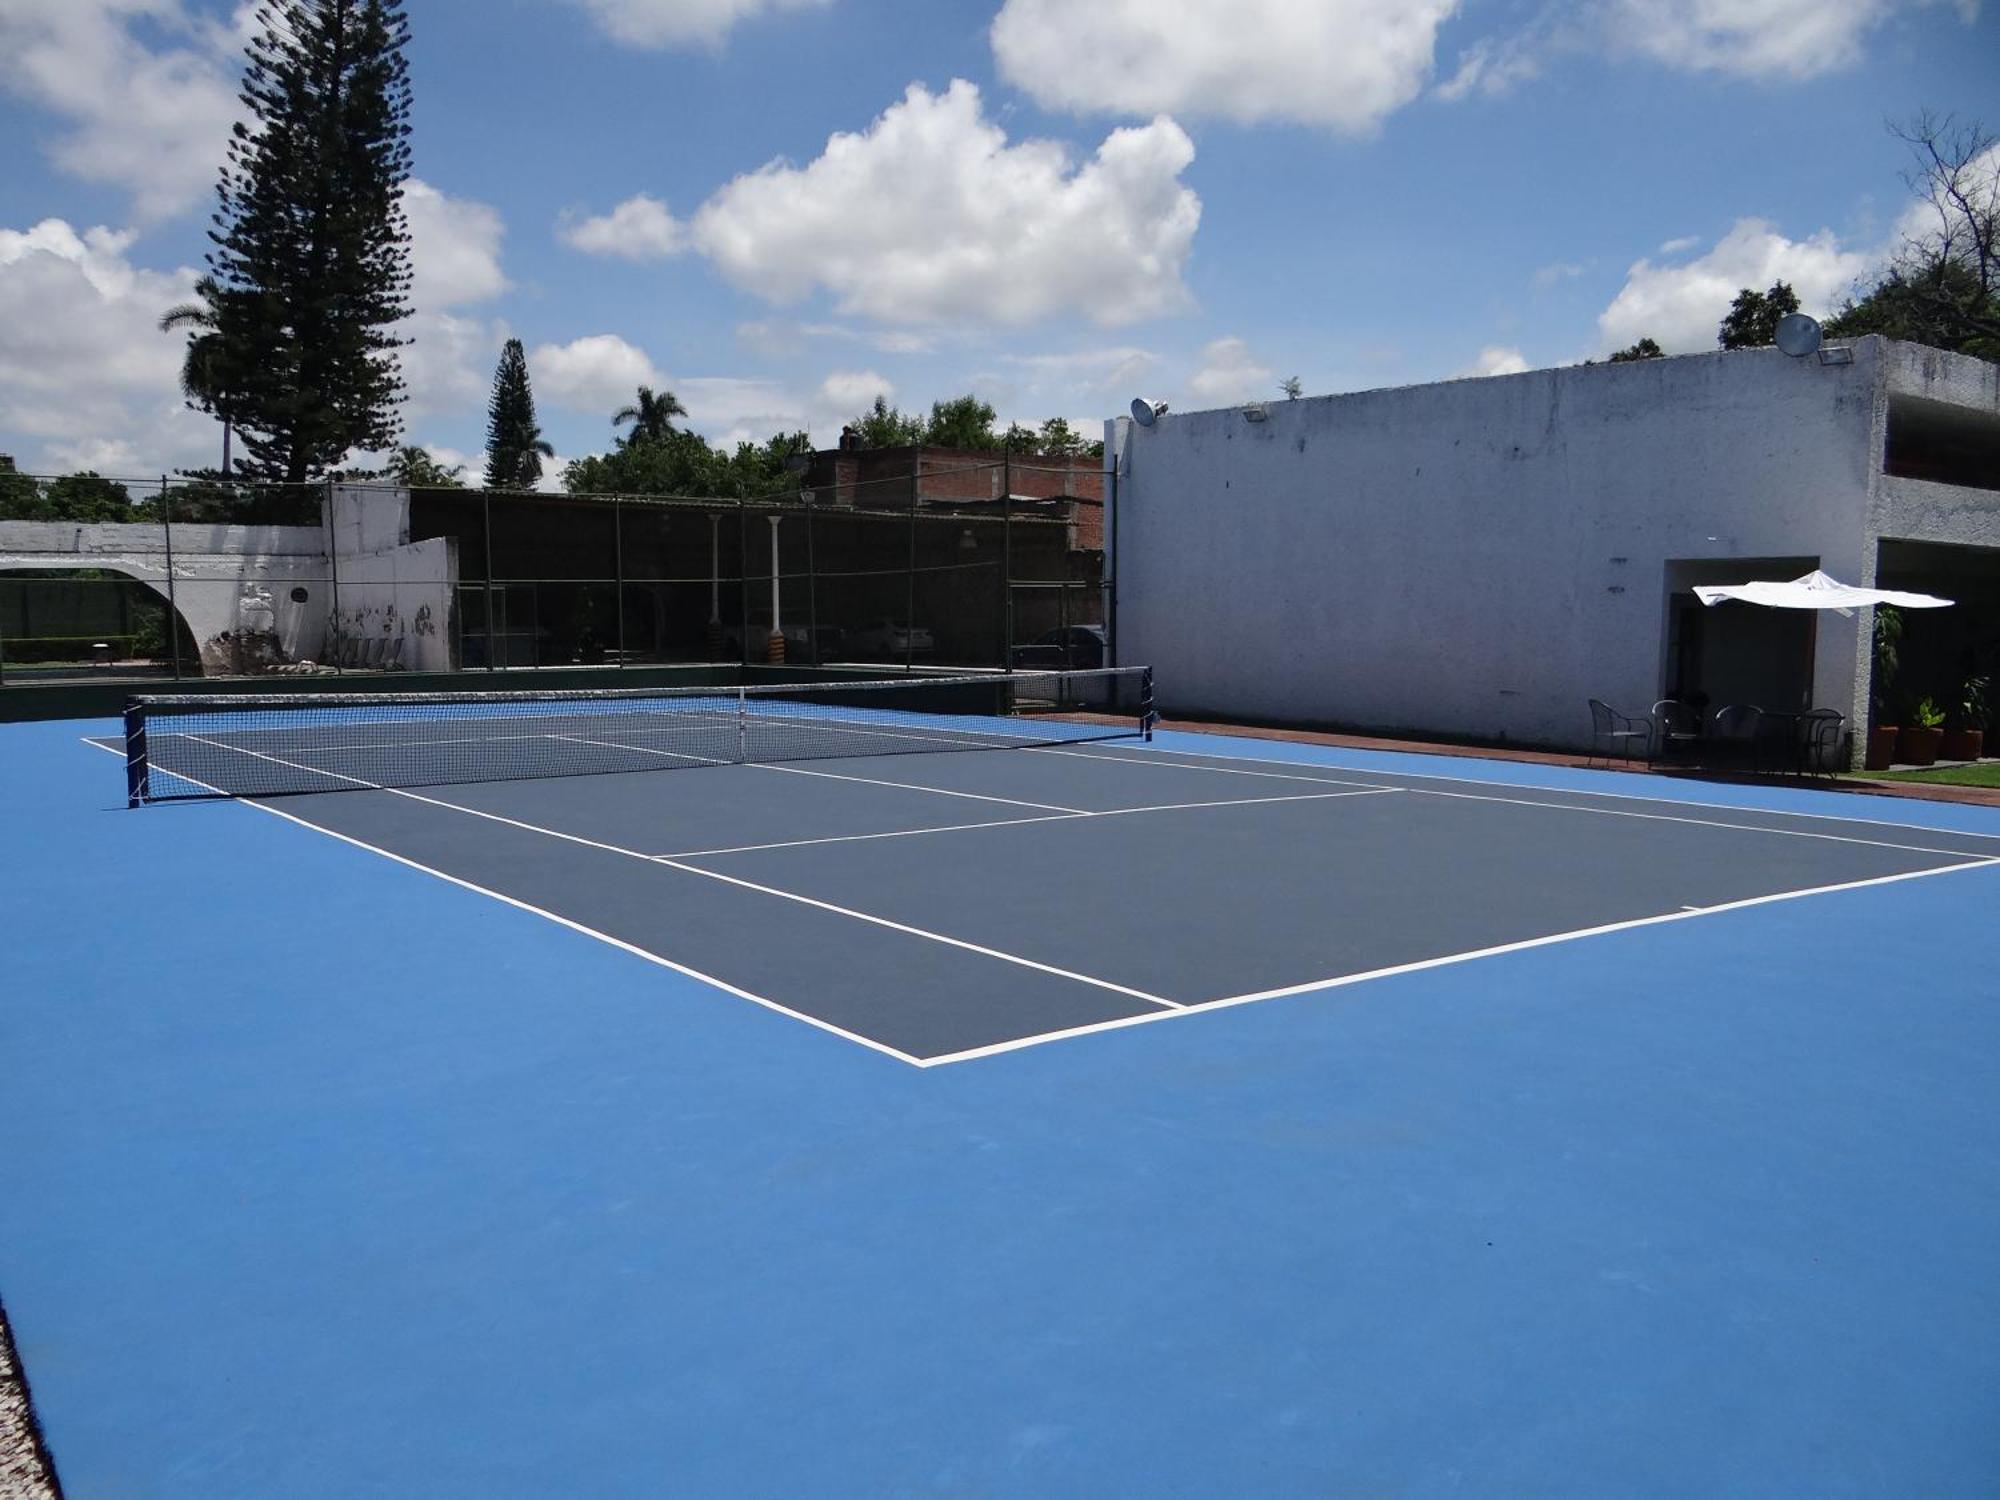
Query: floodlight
{"x":1146,"y":413}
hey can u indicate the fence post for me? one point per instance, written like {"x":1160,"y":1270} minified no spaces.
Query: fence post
{"x":333,"y":573}
{"x":1007,"y":560}
{"x":910,"y":578}
{"x":618,"y":563}
{"x":173,"y":602}
{"x":812,"y":587}
{"x":1112,"y":659}
{"x":486,"y":528}
{"x":742,"y":582}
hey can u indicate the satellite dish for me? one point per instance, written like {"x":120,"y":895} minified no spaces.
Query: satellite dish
{"x":1798,"y":335}
{"x":1146,"y":413}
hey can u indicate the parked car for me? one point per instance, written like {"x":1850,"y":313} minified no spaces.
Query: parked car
{"x":1079,"y":647}
{"x":887,"y":640}
{"x":799,"y":643}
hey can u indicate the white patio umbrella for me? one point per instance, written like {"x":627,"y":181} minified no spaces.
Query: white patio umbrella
{"x":1816,"y":590}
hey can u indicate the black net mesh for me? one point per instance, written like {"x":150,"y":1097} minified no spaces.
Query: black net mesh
{"x":257,"y":745}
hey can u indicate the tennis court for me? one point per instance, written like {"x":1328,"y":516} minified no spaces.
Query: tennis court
{"x":1282,"y":1119}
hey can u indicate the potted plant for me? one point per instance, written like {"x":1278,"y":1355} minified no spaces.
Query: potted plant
{"x":1965,"y":734}
{"x":1882,"y":737}
{"x":1919,"y":741}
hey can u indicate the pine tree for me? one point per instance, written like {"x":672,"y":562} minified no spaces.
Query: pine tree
{"x":309,"y":273}
{"x":514,"y":446}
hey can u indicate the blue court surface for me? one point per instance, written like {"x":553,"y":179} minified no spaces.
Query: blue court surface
{"x":1208,"y":1116}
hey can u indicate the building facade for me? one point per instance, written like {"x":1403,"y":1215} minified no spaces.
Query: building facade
{"x":1476,"y":559}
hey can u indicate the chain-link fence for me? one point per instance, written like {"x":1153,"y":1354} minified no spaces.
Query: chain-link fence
{"x":884,"y":558}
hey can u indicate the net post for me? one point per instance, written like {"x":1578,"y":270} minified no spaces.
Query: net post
{"x":1147,"y":716}
{"x":742,"y":726}
{"x":136,"y":789}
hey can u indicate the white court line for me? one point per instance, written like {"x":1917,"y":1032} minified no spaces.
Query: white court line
{"x":707,"y":760}
{"x":1066,"y":817}
{"x":1344,"y":980}
{"x":917,"y":786}
{"x":908,"y":786}
{"x":561,"y":921}
{"x":1148,"y":759}
{"x":748,"y":885}
{"x":855,"y":838}
{"x":1170,"y":1008}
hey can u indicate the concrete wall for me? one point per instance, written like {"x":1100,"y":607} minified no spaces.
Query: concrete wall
{"x":1477,"y":558}
{"x":403,"y":597}
{"x":239,"y":586}
{"x":228,"y":581}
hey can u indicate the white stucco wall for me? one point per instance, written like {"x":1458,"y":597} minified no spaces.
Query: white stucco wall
{"x":229,"y":581}
{"x":225,"y":578}
{"x":403,"y":594}
{"x":1478,"y":557}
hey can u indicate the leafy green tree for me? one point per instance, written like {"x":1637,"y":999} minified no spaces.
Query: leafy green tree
{"x":884,"y":426}
{"x":652,"y":417}
{"x":1643,"y":349}
{"x":18,"y":493}
{"x":310,"y":270}
{"x":1924,"y":304}
{"x":208,"y":383}
{"x":1058,"y":439}
{"x":1752,"y":321}
{"x":87,"y":497}
{"x":416,"y":469}
{"x":1943,"y":287}
{"x":962,"y":422}
{"x":1293,"y":387}
{"x":514,"y":444}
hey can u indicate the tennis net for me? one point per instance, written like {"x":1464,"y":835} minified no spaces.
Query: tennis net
{"x":253,"y":744}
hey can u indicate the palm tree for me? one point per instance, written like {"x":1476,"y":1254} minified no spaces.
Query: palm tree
{"x":204,"y":377}
{"x":651,"y":416}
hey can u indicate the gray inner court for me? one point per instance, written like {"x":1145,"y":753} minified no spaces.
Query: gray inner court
{"x":933,"y":905}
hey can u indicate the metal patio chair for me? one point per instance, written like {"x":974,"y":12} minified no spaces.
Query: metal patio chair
{"x":1611,"y":731}
{"x":1733,"y":735}
{"x":1676,"y":729}
{"x":1822,"y":741}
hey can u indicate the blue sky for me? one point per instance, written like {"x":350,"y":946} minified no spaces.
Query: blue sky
{"x":777,"y":208}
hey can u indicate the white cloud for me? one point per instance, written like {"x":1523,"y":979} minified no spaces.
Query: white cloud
{"x":1550,"y":275}
{"x":681,"y":23}
{"x":1750,"y":38}
{"x":779,"y":337}
{"x":1494,"y":360}
{"x":729,"y":410}
{"x":454,"y":248}
{"x":931,"y":216}
{"x":1681,"y":306}
{"x":1680,"y":245}
{"x":86,"y":377}
{"x":152,"y":122}
{"x":1342,"y":63}
{"x":1493,"y":66}
{"x":851,"y":391}
{"x":448,"y":364}
{"x":1228,"y":374}
{"x":1091,"y":376}
{"x":599,"y":372}
{"x":640,"y":228}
